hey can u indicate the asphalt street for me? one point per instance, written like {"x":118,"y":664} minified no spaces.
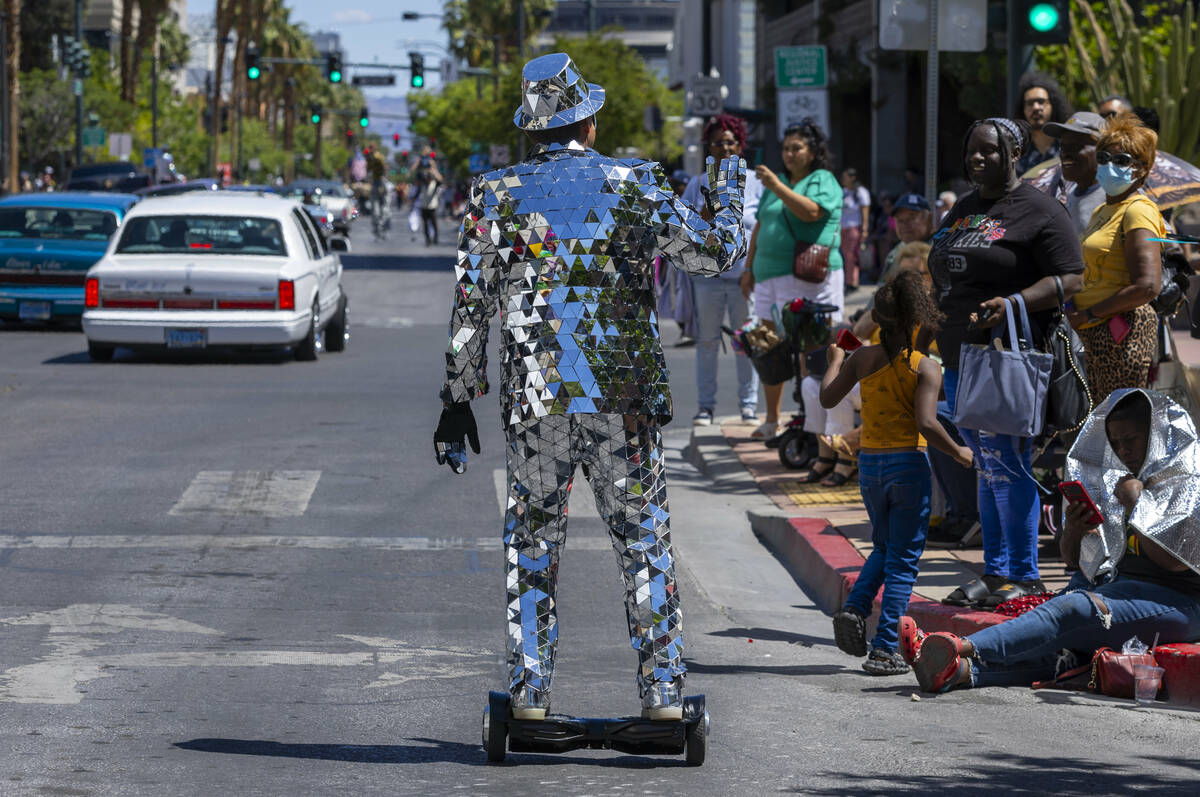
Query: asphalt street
{"x":243,"y":574}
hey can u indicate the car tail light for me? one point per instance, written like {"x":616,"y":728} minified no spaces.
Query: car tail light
{"x":287,"y":295}
{"x":242,"y":304}
{"x":132,"y":304}
{"x":91,"y":292}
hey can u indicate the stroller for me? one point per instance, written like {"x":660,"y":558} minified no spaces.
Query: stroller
{"x":805,"y":326}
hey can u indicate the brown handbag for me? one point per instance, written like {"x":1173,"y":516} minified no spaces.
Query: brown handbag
{"x":1111,"y":673}
{"x":810,"y":261}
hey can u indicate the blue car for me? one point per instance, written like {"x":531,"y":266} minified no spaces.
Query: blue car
{"x":47,"y":244}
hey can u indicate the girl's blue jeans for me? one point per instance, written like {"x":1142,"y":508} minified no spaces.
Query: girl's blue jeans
{"x":1026,"y":648}
{"x":1009,"y":503}
{"x":895,"y":488}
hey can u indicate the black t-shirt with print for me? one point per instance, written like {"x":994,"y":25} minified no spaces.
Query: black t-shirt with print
{"x":996,"y":247}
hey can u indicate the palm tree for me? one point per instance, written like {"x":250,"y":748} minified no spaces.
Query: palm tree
{"x":12,"y":63}
{"x":224,"y":13}
{"x":150,"y":14}
{"x":128,"y":78}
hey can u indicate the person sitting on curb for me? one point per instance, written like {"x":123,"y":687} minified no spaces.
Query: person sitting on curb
{"x":1139,"y":568}
{"x":899,"y":388}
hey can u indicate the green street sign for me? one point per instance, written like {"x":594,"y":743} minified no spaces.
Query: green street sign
{"x":95,"y":136}
{"x":801,"y":67}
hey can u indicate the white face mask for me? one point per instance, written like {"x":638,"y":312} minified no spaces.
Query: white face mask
{"x":1114,"y":179}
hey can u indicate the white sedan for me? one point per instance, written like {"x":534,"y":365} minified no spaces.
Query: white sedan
{"x":217,"y":269}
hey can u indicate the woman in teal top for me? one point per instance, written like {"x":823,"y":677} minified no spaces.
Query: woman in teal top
{"x":807,"y":206}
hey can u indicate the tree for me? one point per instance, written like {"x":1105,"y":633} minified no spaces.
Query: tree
{"x":12,"y":10}
{"x":47,"y":117}
{"x":150,"y":15}
{"x":126,"y":50}
{"x":39,"y":22}
{"x":475,"y":25}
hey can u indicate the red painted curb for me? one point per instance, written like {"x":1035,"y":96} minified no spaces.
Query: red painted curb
{"x":827,"y":564}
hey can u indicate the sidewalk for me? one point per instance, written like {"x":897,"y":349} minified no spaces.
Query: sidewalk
{"x":822,"y":535}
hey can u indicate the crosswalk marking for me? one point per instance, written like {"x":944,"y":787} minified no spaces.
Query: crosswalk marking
{"x":193,"y":542}
{"x":264,"y":493}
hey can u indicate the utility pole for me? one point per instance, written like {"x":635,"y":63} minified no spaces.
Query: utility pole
{"x":153,"y":93}
{"x":317,"y":148}
{"x":78,"y":86}
{"x":5,"y":119}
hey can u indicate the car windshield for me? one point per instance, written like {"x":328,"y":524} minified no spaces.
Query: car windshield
{"x":202,"y":235}
{"x":73,"y":224}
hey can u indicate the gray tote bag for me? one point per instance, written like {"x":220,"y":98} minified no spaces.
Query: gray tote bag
{"x":1003,"y":391}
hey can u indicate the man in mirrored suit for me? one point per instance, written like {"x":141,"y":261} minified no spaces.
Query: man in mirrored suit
{"x":563,"y":245}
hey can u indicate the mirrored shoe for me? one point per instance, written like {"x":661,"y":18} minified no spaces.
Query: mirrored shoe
{"x":528,"y":704}
{"x":663,"y":701}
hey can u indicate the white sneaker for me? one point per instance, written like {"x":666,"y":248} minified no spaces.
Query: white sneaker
{"x":704,"y":417}
{"x":749,"y":415}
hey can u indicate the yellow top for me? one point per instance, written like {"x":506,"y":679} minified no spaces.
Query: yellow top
{"x":1103,"y":241}
{"x":876,"y":340}
{"x":889,"y":418}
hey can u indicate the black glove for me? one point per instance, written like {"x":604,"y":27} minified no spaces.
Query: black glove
{"x":455,"y":428}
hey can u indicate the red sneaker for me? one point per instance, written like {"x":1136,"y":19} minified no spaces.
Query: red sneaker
{"x":911,"y":638}
{"x":939,"y":662}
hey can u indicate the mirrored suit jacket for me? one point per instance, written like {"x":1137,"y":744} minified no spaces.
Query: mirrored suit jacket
{"x":563,"y":244}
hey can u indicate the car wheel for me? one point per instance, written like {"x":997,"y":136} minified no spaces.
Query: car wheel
{"x":338,"y":331}
{"x":310,"y":347}
{"x":100,"y":352}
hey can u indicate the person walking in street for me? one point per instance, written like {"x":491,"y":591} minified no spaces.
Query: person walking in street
{"x":1139,"y":568}
{"x":1002,"y":238}
{"x":856,"y":217}
{"x":1077,"y":144}
{"x":429,"y":179}
{"x":1113,"y":316}
{"x":805,"y":205}
{"x":1041,"y":102}
{"x":564,"y":242}
{"x":899,"y":387}
{"x":719,"y":300}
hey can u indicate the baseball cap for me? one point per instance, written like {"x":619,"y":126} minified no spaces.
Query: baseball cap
{"x":1085,"y":123}
{"x":910,"y":202}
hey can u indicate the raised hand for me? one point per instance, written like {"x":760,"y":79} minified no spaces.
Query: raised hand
{"x":455,"y":429}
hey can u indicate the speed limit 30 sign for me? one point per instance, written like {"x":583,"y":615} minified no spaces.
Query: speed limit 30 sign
{"x":704,"y":96}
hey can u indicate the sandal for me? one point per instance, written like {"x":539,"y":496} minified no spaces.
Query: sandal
{"x":974,"y":593}
{"x":1013,"y":589}
{"x":850,"y":632}
{"x":911,"y":638}
{"x":815,"y":476}
{"x":939,"y":664}
{"x":765,"y":431}
{"x":837,"y":479}
{"x":885,"y":662}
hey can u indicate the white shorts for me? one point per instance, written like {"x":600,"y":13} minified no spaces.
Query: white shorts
{"x":772,"y":294}
{"x":837,"y":420}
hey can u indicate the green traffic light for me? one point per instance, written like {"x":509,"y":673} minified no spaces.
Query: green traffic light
{"x":335,"y":76}
{"x":364,"y":121}
{"x":418,"y":81}
{"x":1043,"y":17}
{"x":253,"y":73}
{"x":316,"y":118}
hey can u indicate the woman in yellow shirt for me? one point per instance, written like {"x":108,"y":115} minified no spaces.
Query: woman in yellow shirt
{"x":1123,"y":272}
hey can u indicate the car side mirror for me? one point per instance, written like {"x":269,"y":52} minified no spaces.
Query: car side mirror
{"x":339,"y":244}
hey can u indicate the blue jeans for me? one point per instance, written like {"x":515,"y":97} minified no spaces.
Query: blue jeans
{"x":1009,"y":503}
{"x":958,"y":484}
{"x":716,"y":297}
{"x":895,"y":488}
{"x":1025,"y":649}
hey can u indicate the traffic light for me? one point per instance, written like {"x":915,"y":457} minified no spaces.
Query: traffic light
{"x":364,"y":118}
{"x":252,"y":69}
{"x":395,"y":139}
{"x":75,"y":57}
{"x":314,"y":114}
{"x":350,"y":139}
{"x":416,"y":70}
{"x":333,"y":67}
{"x":1042,"y":22}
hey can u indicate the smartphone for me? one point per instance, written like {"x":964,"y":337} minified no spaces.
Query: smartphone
{"x":1075,"y":493}
{"x":982,"y":318}
{"x":848,"y":341}
{"x":1118,"y":327}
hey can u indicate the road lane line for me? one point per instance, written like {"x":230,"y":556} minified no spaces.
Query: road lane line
{"x":265,"y":493}
{"x":192,"y":542}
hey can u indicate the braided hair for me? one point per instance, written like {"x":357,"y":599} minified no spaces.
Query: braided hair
{"x":1010,"y":141}
{"x":903,"y":304}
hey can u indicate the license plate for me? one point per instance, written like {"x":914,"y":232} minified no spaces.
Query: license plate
{"x":34,"y":311}
{"x":187,"y":338}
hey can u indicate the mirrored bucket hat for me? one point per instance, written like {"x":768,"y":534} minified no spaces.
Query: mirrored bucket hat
{"x":553,"y":94}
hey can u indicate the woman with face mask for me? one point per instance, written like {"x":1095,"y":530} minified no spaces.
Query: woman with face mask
{"x":1124,"y":267}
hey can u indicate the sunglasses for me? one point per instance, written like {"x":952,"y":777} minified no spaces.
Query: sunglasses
{"x":1120,"y":158}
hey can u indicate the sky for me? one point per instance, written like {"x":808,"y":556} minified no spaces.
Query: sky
{"x":371,"y":31}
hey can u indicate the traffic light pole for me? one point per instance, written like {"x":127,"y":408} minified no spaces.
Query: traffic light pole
{"x":317,"y":149}
{"x":78,"y":87}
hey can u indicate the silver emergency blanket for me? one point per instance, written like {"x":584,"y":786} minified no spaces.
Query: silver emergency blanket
{"x":1168,"y":510}
{"x":623,"y":460}
{"x":563,"y":244}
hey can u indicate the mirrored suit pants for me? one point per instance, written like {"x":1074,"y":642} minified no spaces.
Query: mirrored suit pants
{"x":622,"y":458}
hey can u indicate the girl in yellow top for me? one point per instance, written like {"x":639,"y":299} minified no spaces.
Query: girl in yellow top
{"x":1123,"y":272}
{"x":900,"y":389}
